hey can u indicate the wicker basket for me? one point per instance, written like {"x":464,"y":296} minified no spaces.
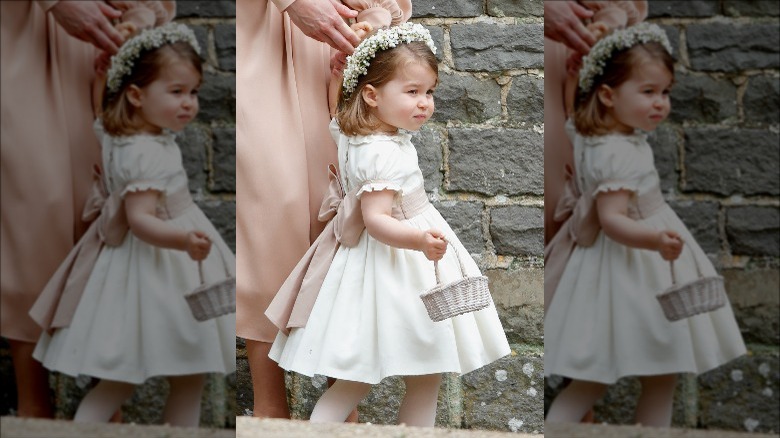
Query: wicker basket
{"x":704,"y":294}
{"x":212,"y":300}
{"x":468,"y":294}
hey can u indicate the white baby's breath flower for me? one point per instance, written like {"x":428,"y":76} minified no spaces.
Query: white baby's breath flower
{"x":357,"y":63}
{"x":122,"y":62}
{"x":594,"y":62}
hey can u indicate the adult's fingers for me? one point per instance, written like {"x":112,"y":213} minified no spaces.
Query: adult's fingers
{"x":580,"y":11}
{"x":109,"y":11}
{"x":575,"y":40}
{"x":337,"y":38}
{"x":100,"y":39}
{"x":343,"y":10}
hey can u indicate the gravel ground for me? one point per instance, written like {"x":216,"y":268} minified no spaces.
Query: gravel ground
{"x":248,"y":427}
{"x":12,"y":427}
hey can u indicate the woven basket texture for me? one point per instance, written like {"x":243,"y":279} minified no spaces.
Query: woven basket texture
{"x":699,"y":296}
{"x":212,"y":300}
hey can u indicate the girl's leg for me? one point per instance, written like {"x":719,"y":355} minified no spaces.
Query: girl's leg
{"x":654,"y":408}
{"x":183,"y":406}
{"x":338,"y":401}
{"x":103,"y":401}
{"x":574,"y":401}
{"x":419,"y":405}
{"x":33,"y":395}
{"x":353,"y":416}
{"x":270,"y":395}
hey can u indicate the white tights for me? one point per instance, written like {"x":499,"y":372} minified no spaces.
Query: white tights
{"x":417,"y":409}
{"x":181,"y":409}
{"x":654,"y":407}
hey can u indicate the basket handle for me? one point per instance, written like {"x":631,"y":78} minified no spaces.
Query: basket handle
{"x":457,"y":256}
{"x":695,"y":262}
{"x":200,"y":271}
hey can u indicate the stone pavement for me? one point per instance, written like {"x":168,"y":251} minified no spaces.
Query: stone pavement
{"x":248,"y":427}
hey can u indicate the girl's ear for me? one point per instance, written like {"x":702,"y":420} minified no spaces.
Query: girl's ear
{"x":134,"y":95}
{"x":605,"y":95}
{"x":368,"y":93}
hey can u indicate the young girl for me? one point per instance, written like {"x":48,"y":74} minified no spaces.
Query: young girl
{"x":604,"y":321}
{"x":368,"y":321}
{"x":132,"y":321}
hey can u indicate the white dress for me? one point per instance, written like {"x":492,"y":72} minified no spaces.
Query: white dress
{"x":604,"y":322}
{"x":132,"y":321}
{"x":369,"y":322}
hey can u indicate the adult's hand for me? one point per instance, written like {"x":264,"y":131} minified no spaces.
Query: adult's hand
{"x":322,"y":20}
{"x":90,"y":22}
{"x":563,"y":23}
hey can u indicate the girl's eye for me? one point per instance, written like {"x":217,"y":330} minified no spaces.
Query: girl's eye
{"x":194,"y":92}
{"x":414,"y":92}
{"x":430,"y":92}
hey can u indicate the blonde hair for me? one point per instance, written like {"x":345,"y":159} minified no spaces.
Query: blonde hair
{"x":353,"y":114}
{"x":590,"y":115}
{"x":120,"y":117}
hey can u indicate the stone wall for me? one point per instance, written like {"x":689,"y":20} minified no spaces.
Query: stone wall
{"x":208,"y":150}
{"x":719,"y":159}
{"x":481,"y":156}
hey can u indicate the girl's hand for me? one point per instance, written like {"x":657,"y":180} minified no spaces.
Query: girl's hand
{"x":362,"y":29}
{"x":669,"y":244}
{"x":198,"y":245}
{"x":337,"y":63}
{"x":433,"y":244}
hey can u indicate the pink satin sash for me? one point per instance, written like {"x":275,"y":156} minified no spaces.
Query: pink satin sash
{"x":57,"y":303}
{"x":293,"y":303}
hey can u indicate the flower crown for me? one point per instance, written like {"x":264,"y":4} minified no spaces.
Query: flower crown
{"x":594,"y":62}
{"x":358,"y":62}
{"x":122,"y":62}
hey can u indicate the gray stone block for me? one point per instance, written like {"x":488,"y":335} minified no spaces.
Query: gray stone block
{"x":762,"y":99}
{"x":518,"y":296}
{"x":525,"y":101}
{"x":755,"y":8}
{"x":506,"y":395}
{"x":697,"y":8}
{"x":224,"y":161}
{"x":194,"y":142}
{"x":465,"y":219}
{"x":730,"y":161}
{"x":202,"y":36}
{"x":673,"y":33}
{"x":244,"y":403}
{"x":701,"y":218}
{"x":743,"y":394}
{"x":219,"y":8}
{"x":437,"y":35}
{"x":223,"y":215}
{"x":753,"y":230}
{"x":466,"y":99}
{"x":703,"y":99}
{"x":225,"y":42}
{"x":495,"y":161}
{"x":515,"y":8}
{"x":756,"y":303}
{"x":490,"y":47}
{"x":428,"y":142}
{"x":517,"y":230}
{"x":719,"y":46}
{"x":664,"y":141}
{"x":218,"y":98}
{"x":453,"y":8}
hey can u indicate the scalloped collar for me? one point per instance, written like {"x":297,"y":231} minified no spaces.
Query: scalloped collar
{"x":402,"y":138}
{"x":638,"y":138}
{"x":166,"y":138}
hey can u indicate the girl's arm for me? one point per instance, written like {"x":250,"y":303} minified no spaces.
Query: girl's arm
{"x":144,"y":223}
{"x":377,"y":208}
{"x":613,"y":216}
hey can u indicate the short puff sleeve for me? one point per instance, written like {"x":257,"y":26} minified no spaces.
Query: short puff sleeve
{"x":614,"y":166}
{"x":376,"y":166}
{"x":140,"y":166}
